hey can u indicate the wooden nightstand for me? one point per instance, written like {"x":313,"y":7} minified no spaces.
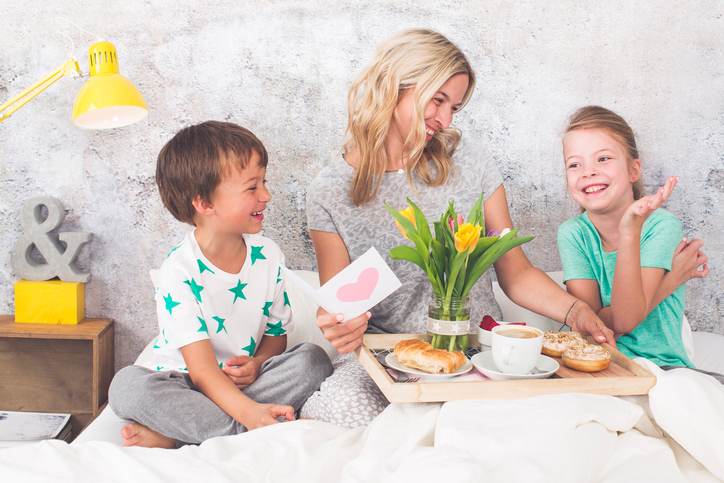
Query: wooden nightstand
{"x":56,"y":368}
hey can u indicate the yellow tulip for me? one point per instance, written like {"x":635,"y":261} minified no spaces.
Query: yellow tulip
{"x":408,"y":213}
{"x":467,"y":236}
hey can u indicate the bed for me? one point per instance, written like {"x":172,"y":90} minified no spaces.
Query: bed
{"x":674,"y":434}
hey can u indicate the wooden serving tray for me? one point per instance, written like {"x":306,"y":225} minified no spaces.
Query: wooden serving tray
{"x":622,"y":378}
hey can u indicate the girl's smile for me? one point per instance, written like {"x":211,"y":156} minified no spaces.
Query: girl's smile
{"x":594,"y":188}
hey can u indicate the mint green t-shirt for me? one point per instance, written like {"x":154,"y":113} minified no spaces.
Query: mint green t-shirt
{"x":658,"y":336}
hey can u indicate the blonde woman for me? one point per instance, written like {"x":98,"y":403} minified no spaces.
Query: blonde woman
{"x":400,"y":144}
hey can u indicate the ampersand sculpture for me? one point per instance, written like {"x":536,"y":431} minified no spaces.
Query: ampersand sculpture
{"x":59,"y":257}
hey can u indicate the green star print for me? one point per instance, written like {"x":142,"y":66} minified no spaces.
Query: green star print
{"x":238,"y":291}
{"x":256,"y":254}
{"x":275,"y":329}
{"x":173,"y":250}
{"x":286,"y":299}
{"x":203,"y":267}
{"x":195,"y":288}
{"x":279,"y":274}
{"x":203,"y":327}
{"x":251,"y":348}
{"x":267,"y":306}
{"x":170,"y":303}
{"x":220,"y":322}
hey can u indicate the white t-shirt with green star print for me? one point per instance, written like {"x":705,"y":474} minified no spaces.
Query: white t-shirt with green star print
{"x":195,"y":300}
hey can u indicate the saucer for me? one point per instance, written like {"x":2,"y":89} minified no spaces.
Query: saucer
{"x":391,"y":360}
{"x":483,"y":362}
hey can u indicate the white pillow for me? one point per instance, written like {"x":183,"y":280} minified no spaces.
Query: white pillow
{"x":687,"y":338}
{"x":515,"y":313}
{"x":709,"y":351}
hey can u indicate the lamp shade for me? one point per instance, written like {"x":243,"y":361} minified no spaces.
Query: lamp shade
{"x":107,"y":100}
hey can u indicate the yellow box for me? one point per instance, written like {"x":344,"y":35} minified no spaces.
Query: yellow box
{"x":49,"y":302}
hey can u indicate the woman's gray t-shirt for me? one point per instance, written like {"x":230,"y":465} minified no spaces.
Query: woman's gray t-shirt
{"x":330,"y":209}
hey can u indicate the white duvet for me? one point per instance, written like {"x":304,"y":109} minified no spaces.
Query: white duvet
{"x":674,"y":435}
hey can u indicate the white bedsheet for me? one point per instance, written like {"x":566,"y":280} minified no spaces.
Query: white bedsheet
{"x":563,"y":438}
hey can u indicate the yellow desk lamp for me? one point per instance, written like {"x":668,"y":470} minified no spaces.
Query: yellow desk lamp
{"x":107,"y":100}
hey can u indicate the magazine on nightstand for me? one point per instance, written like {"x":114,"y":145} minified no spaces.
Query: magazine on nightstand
{"x":17,"y":427}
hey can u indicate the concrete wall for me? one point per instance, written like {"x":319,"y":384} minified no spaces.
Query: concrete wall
{"x":283,"y":70}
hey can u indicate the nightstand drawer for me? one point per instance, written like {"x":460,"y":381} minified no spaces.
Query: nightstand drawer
{"x":56,"y":368}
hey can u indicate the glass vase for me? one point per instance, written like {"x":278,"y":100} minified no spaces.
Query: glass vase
{"x":448,"y":323}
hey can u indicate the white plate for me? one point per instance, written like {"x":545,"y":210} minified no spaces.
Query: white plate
{"x":483,"y":362}
{"x":391,"y":360}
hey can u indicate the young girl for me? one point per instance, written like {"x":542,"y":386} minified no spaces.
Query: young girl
{"x":617,"y":254}
{"x":400,"y":143}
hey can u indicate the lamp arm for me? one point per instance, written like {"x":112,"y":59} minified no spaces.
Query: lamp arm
{"x":8,"y":108}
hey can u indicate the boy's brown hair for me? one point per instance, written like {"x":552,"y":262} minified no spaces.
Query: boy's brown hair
{"x":194,"y":161}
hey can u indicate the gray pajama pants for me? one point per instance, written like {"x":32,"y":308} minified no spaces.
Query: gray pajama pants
{"x":169,"y":403}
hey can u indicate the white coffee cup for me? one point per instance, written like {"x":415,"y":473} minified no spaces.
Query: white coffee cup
{"x":516,"y":348}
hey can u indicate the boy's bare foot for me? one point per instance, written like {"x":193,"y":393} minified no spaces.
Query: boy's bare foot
{"x":135,"y":434}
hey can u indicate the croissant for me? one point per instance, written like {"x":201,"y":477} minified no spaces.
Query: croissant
{"x":420,"y":355}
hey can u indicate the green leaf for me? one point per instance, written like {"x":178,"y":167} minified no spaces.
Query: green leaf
{"x":483,"y":244}
{"x":449,"y":213}
{"x":460,"y":281}
{"x":476,"y":212}
{"x":438,"y":228}
{"x":438,"y":256}
{"x":406,"y":252}
{"x":491,"y":255}
{"x":423,"y":227}
{"x":446,"y":235}
{"x":457,"y":263}
{"x":436,"y":284}
{"x":422,"y":248}
{"x":404,"y":222}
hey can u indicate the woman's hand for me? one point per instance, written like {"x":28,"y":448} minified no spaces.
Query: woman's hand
{"x":640,"y":209}
{"x":584,"y":320}
{"x":258,"y":415}
{"x":345,"y":336}
{"x":689,"y":262}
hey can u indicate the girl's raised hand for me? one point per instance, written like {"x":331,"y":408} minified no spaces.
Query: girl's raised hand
{"x":640,"y":209}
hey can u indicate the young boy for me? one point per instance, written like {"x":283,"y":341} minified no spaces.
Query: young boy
{"x":218,"y":365}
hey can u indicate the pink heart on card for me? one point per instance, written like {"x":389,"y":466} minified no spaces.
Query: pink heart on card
{"x":362,"y":288}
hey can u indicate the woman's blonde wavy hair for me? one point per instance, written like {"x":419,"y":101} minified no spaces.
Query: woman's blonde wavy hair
{"x":418,"y":58}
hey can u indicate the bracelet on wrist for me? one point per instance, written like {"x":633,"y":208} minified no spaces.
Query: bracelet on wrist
{"x":565,"y":319}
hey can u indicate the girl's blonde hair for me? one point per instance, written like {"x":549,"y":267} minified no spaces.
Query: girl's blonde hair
{"x":597,"y":117}
{"x":418,"y":58}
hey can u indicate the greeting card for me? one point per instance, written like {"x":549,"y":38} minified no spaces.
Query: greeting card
{"x":356,"y":289}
